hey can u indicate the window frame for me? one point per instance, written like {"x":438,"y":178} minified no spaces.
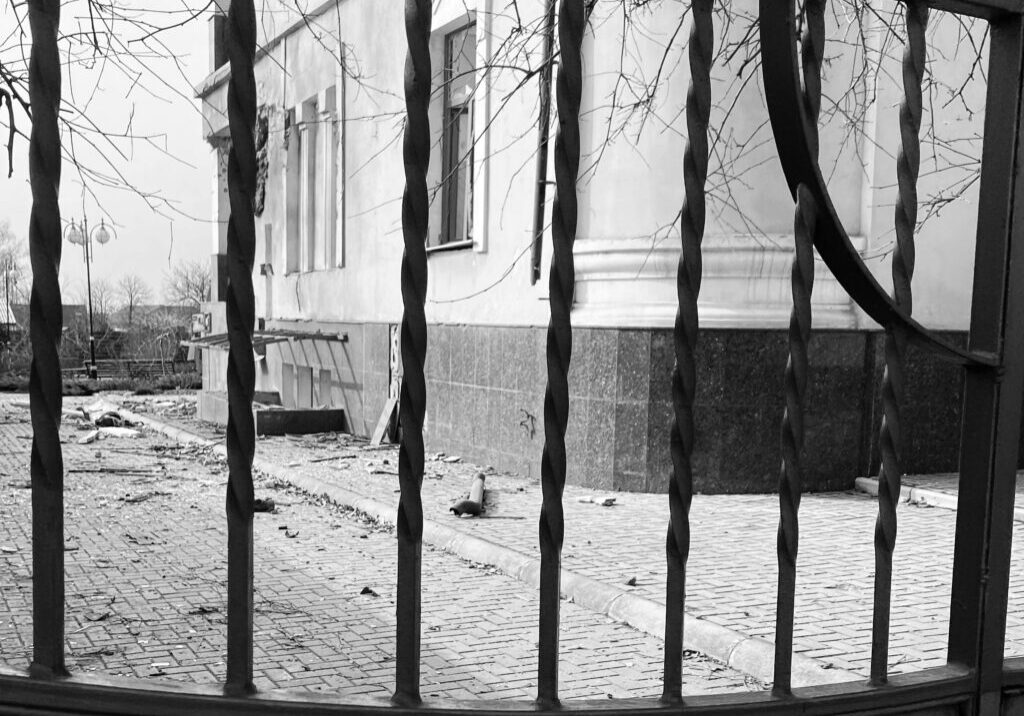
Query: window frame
{"x":453,"y":167}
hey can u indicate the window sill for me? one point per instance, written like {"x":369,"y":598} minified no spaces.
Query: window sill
{"x":450,"y":246}
{"x":306,"y":272}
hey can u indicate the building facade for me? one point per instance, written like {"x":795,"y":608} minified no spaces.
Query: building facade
{"x":329,"y":240}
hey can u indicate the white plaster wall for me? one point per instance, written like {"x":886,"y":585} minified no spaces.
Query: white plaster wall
{"x":945,"y":243}
{"x":633,"y":192}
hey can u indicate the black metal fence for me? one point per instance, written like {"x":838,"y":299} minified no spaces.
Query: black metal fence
{"x":976,"y":680}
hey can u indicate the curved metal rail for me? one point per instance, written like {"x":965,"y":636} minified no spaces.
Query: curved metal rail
{"x":794,"y":139}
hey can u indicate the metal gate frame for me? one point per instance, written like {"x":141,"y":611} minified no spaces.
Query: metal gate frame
{"x":976,"y":680}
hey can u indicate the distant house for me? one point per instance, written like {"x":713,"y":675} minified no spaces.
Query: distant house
{"x":73,"y":313}
{"x":171,"y":314}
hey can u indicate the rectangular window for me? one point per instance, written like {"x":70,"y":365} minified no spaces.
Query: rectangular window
{"x":293,"y":151}
{"x":312,"y":184}
{"x":325,"y":250}
{"x":457,"y":136}
{"x":308,"y":129}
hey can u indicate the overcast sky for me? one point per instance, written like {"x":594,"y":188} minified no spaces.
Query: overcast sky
{"x":176,"y":163}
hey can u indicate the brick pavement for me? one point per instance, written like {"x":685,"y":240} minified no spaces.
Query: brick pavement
{"x":732,"y":566}
{"x":948,"y":483}
{"x":145,"y":588}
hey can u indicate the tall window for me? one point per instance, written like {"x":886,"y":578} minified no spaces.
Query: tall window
{"x":311,"y":177}
{"x":308,"y":205}
{"x":293,"y":203}
{"x":457,"y":137}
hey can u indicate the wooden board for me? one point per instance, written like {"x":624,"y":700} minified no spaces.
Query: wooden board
{"x":382,"y":422}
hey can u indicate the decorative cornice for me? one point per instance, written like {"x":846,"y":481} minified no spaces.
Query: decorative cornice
{"x":631,"y":282}
{"x":218,"y":77}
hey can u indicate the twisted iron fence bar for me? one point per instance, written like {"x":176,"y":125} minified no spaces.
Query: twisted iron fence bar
{"x":561,"y":284}
{"x":45,"y":324}
{"x":908,"y":163}
{"x":805,"y":219}
{"x":413,"y":396}
{"x":684,"y":372}
{"x":241,"y":315}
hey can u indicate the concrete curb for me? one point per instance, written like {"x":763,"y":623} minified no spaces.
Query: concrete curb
{"x":922,"y":496}
{"x":751,"y":655}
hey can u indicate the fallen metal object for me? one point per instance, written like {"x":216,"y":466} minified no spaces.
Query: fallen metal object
{"x":474,"y":506}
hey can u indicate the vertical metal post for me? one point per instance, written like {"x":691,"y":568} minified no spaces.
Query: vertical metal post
{"x":45,"y":324}
{"x":543,"y":128}
{"x":561,"y":285}
{"x":87,"y":249}
{"x":805,"y":220}
{"x":7,"y":298}
{"x":413,"y":395}
{"x":992,"y":398}
{"x":890,"y":440}
{"x":241,"y":315}
{"x":684,"y":372}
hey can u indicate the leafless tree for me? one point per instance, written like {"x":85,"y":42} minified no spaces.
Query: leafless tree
{"x":104,"y":300}
{"x":158,"y":335}
{"x":133,"y":292}
{"x":13,"y":266}
{"x":187,"y":283}
{"x":127,"y":38}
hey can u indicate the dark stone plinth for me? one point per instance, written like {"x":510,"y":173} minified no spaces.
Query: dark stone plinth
{"x":485,"y":402}
{"x":486,"y":395}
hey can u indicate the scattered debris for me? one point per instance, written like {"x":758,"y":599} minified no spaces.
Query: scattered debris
{"x":264,"y":504}
{"x":291,"y":533}
{"x":204,"y":610}
{"x":631,"y":582}
{"x":332,"y":457}
{"x":451,"y":459}
{"x":118,"y":432}
{"x":89,"y":437}
{"x":110,"y":470}
{"x":602,"y":501}
{"x":8,"y":550}
{"x":367,"y":590}
{"x":142,"y":496}
{"x":102,"y":651}
{"x":111,"y":419}
{"x":97,"y":616}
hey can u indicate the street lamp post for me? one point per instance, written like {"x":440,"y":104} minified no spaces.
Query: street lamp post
{"x":80,"y":234}
{"x":7,"y":300}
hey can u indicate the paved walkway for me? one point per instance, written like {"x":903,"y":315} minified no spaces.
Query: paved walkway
{"x":732,"y":565}
{"x":146,"y":587}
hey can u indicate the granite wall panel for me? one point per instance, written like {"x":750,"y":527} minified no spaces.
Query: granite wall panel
{"x":931,"y":423}
{"x":485,"y":396}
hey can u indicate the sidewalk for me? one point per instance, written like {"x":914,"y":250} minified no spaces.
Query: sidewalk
{"x":937,"y":491}
{"x":145,"y":588}
{"x":732,"y":565}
